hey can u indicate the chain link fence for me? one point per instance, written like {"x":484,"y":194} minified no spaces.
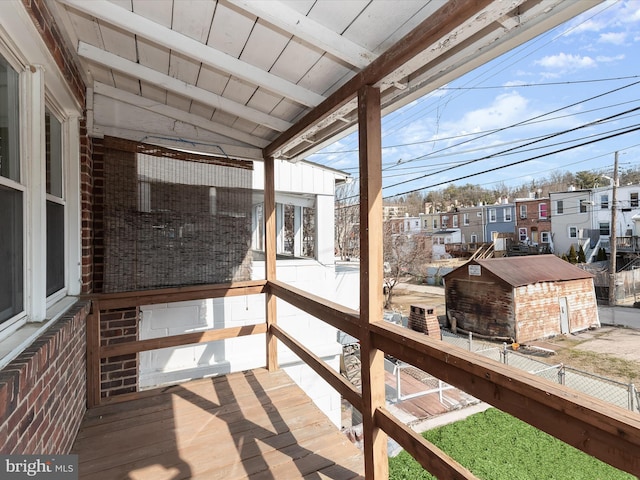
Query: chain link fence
{"x":624,"y":395}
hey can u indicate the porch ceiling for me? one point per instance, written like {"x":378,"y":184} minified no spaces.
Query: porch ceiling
{"x":243,"y":78}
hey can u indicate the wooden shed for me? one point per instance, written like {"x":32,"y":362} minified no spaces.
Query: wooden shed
{"x":521,"y":298}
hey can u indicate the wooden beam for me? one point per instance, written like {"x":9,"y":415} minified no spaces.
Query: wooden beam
{"x":333,"y":378}
{"x":371,"y":300}
{"x":93,"y":356}
{"x":176,"y":114}
{"x":179,"y":87}
{"x":288,"y":19}
{"x":336,"y":315}
{"x":432,"y":459}
{"x":269,"y":213}
{"x":178,"y":340}
{"x":598,"y":428}
{"x":194,"y":50}
{"x":110,"y":301}
{"x":451,"y":15}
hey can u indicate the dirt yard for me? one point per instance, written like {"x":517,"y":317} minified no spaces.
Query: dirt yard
{"x":612,"y":352}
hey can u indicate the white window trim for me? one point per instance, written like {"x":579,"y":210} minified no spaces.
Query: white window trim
{"x":493,"y":215}
{"x":506,"y":214}
{"x":540,"y":213}
{"x":40,"y":312}
{"x":569,"y":231}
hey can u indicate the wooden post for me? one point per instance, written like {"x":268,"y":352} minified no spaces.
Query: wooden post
{"x":270,"y":259}
{"x":371,"y":279}
{"x":93,"y":356}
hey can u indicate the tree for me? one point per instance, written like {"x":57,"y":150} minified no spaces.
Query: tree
{"x":581,"y":256}
{"x":347,"y":218}
{"x":403,"y":255}
{"x":573,"y":256}
{"x":586,"y":179}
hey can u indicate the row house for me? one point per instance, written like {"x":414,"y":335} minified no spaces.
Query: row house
{"x":583,"y":218}
{"x":533,"y":222}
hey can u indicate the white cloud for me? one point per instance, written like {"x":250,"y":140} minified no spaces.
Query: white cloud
{"x":614,"y":38}
{"x":566,"y":62}
{"x":505,"y":109}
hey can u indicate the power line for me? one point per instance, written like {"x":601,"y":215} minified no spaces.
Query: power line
{"x":595,"y":122}
{"x":636,"y":128}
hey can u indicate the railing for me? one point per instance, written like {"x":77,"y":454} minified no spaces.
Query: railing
{"x":607,"y":432}
{"x":628,"y":244}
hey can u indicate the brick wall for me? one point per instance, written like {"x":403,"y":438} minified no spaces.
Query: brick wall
{"x":43,"y":390}
{"x":52,"y":37}
{"x":119,"y":374}
{"x":423,"y":318}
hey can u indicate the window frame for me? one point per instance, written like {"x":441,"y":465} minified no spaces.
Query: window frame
{"x":506,"y":214}
{"x":543,"y":211}
{"x":493,"y":215}
{"x":604,"y":201}
{"x":545,"y":237}
{"x":559,"y":207}
{"x":523,"y":211}
{"x":634,"y":200}
{"x":570,"y":229}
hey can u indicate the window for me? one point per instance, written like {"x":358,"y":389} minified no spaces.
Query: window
{"x":492,"y":215}
{"x":604,"y":229}
{"x":55,"y":205}
{"x":583,"y":205}
{"x":465,"y":219}
{"x":507,"y":214}
{"x":474,"y":238}
{"x":604,"y":201}
{"x":542,"y":211}
{"x":573,"y":232}
{"x":11,"y":198}
{"x":545,"y":237}
{"x":523,"y":211}
{"x":455,"y":221}
{"x":634,"y":200}
{"x":522,"y":234}
{"x":560,"y":207}
{"x":435,"y":223}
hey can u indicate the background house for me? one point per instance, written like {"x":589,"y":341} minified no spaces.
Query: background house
{"x":572,"y":221}
{"x":498,"y":218}
{"x":533,"y":220}
{"x":521,"y":298}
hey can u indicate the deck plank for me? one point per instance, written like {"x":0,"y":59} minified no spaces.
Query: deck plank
{"x":249,"y":424}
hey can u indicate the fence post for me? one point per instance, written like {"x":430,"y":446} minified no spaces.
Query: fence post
{"x":470,"y":342}
{"x":398,"y":394}
{"x":503,"y":352}
{"x":561,"y":374}
{"x":632,"y":395}
{"x":440,"y":390}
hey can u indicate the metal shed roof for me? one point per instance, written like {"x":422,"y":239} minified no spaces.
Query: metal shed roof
{"x":248,"y":78}
{"x":526,"y":270}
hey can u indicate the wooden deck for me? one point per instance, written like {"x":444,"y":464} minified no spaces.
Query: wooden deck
{"x":250,"y":424}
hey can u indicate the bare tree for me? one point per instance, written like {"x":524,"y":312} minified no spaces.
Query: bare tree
{"x":404,"y":255}
{"x":347,"y":218}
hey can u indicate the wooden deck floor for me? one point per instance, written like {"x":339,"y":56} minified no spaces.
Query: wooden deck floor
{"x":250,"y":424}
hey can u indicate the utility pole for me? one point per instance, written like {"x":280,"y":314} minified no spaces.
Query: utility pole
{"x":612,"y":238}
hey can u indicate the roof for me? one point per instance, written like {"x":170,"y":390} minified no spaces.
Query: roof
{"x":526,"y":270}
{"x":278,"y":78}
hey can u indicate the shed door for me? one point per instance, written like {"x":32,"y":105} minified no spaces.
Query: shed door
{"x":564,"y":315}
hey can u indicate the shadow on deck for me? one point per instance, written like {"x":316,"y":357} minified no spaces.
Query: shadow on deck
{"x":248,"y":424}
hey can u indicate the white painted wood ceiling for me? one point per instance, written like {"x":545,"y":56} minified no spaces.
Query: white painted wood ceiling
{"x":229,"y":76}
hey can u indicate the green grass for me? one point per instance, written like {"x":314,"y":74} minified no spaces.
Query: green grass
{"x":497,"y":446}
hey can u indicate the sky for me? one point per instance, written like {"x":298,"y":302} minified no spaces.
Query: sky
{"x":547,"y":106}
